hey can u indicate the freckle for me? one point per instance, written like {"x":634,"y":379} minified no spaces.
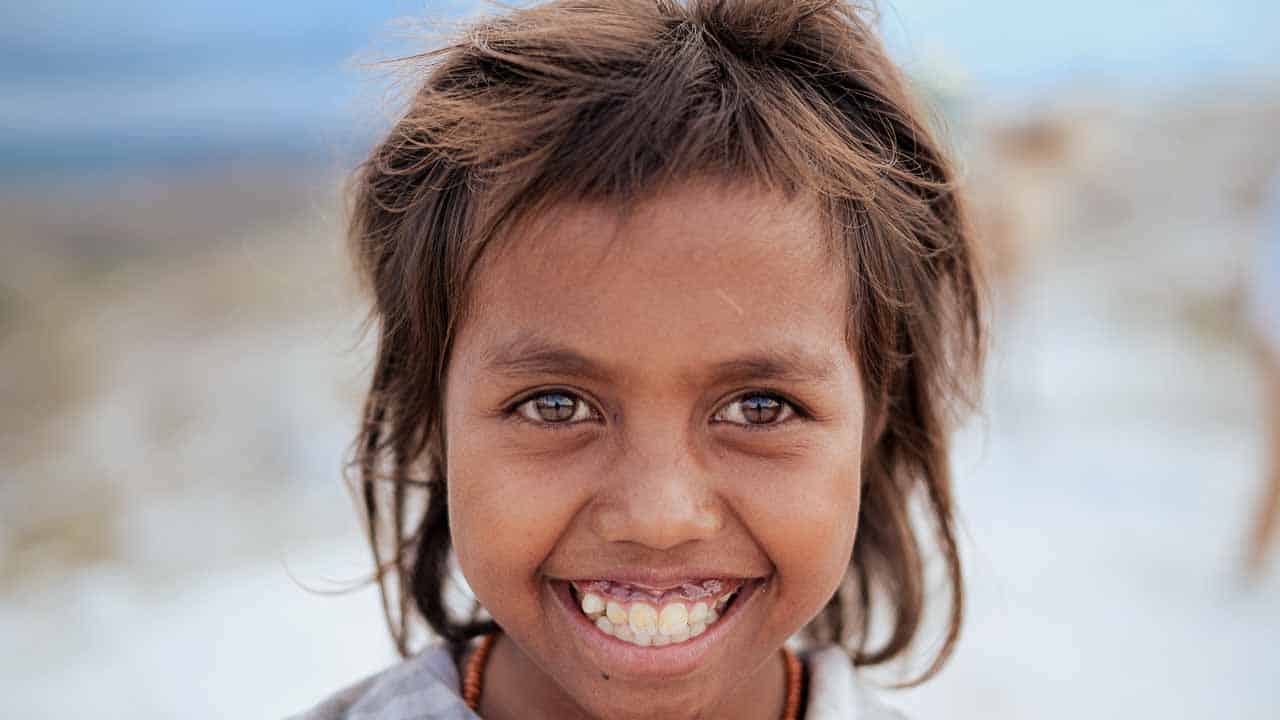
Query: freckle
{"x":604,"y":675}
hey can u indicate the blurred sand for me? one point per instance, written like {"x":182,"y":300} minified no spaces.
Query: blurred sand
{"x":182,"y":378}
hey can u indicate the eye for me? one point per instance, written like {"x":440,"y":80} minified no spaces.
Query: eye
{"x":756,"y":409}
{"x":554,"y":408}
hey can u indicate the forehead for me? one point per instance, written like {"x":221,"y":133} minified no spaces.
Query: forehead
{"x":694,"y":276}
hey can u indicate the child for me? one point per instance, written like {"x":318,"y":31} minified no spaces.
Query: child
{"x":674,"y":301}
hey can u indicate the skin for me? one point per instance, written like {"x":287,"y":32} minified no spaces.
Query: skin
{"x":659,"y":466}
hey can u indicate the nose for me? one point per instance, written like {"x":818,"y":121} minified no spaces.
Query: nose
{"x":659,"y":498}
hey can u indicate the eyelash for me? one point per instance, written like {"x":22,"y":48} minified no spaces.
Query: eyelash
{"x":797,"y":412}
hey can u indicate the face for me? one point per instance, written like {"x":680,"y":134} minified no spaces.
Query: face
{"x":647,"y":411}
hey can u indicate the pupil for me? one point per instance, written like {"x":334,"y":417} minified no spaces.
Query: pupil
{"x":555,"y":407}
{"x":760,"y":409}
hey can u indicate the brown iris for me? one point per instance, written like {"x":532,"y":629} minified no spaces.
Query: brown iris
{"x":554,"y":407}
{"x":760,"y":409}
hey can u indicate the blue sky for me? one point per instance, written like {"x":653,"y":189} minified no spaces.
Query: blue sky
{"x":110,"y":82}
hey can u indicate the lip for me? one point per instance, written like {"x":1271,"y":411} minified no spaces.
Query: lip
{"x":619,"y":658}
{"x":660,"y":580}
{"x":690,"y":590}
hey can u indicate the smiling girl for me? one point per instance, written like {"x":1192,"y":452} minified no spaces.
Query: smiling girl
{"x":675,"y":302}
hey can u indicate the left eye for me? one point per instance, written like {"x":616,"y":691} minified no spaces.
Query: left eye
{"x":555,"y":408}
{"x":756,"y":409}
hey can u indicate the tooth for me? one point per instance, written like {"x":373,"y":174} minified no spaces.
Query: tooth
{"x":722,"y":602}
{"x":643,"y":639}
{"x":698,"y":613}
{"x":712,"y":616}
{"x":697,"y":629}
{"x":617,"y":614}
{"x":622,"y":632}
{"x":605,"y":626}
{"x":680,"y":636}
{"x":592,"y":604}
{"x":674,"y":619}
{"x":659,"y":640}
{"x":642,"y":618}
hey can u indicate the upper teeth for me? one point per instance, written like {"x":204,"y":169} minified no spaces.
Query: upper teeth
{"x":643,"y":624}
{"x":592,"y":604}
{"x":673,"y":620}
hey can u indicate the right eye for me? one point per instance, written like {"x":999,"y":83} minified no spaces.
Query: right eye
{"x":554,"y":408}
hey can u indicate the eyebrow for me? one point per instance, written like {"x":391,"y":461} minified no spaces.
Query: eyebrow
{"x":527,"y":355}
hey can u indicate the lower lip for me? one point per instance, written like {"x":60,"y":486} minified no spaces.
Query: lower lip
{"x":621,"y":658}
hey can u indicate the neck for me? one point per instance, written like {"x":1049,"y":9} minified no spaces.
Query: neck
{"x":516,"y":688}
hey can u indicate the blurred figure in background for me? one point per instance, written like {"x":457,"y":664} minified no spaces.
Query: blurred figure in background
{"x":1017,"y":188}
{"x":1267,"y":320}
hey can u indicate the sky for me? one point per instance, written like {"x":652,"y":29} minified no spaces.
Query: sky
{"x":94,"y":84}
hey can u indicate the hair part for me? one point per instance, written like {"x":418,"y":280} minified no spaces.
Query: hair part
{"x":611,"y":102}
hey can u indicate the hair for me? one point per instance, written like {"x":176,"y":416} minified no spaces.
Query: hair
{"x":602,"y":100}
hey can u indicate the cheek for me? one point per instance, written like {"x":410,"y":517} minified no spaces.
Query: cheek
{"x":805,"y":516}
{"x":506,"y":512}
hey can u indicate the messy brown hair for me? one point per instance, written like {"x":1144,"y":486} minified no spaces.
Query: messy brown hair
{"x":608,"y":100}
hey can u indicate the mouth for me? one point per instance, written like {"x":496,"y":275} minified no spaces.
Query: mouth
{"x":654,"y":618}
{"x":648,"y":631}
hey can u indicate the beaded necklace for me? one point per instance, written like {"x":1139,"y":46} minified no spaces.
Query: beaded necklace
{"x":473,"y":677}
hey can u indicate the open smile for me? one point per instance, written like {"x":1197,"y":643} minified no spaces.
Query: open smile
{"x":653,"y":632}
{"x":654,"y":618}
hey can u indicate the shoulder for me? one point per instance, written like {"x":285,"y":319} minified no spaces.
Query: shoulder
{"x":422,"y":687}
{"x":836,"y":692}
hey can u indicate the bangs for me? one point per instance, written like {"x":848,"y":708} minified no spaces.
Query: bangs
{"x":613,"y":102}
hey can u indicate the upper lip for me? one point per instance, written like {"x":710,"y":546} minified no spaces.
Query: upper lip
{"x":660,"y":579}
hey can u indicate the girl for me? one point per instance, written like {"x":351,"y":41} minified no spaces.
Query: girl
{"x":674,"y":300}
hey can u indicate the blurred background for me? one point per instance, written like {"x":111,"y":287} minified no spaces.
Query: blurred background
{"x":181,"y":361}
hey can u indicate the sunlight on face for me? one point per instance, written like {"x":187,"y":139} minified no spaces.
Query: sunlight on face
{"x":654,"y":398}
